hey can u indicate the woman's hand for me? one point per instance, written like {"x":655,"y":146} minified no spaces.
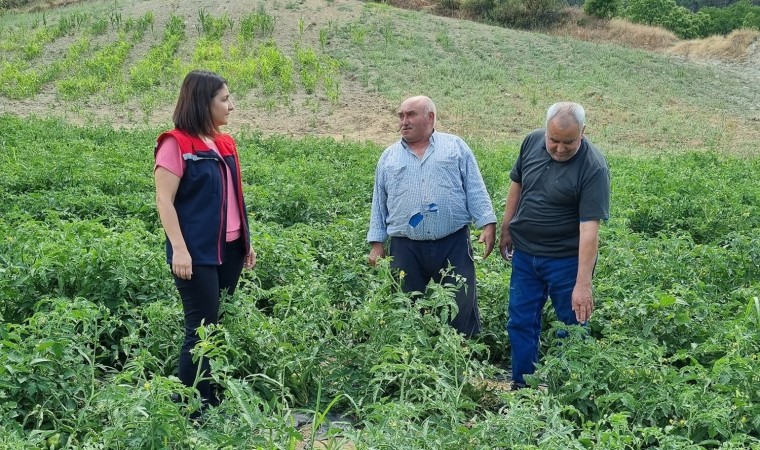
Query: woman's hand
{"x":182,"y":264}
{"x":250,"y":259}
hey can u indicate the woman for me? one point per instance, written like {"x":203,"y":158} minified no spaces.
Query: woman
{"x":200,"y":202}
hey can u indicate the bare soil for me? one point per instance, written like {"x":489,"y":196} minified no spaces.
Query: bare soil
{"x":358,"y":116}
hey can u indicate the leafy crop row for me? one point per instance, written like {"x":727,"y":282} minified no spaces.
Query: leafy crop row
{"x":87,"y":67}
{"x":91,"y":322}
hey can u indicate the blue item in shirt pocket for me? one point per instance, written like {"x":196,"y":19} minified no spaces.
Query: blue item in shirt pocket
{"x":417,"y":218}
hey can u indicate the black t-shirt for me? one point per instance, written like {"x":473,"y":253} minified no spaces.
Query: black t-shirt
{"x":557,"y":196}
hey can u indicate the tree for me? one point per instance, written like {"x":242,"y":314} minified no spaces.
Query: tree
{"x":603,"y":9}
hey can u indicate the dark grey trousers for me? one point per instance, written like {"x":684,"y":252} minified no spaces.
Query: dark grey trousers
{"x":423,"y":261}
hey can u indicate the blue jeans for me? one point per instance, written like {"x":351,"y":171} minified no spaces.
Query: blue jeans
{"x":534,"y":278}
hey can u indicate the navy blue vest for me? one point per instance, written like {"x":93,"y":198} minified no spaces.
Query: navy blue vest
{"x":201,"y":199}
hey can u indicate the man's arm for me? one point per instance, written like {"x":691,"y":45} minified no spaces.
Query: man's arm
{"x":583,"y":300}
{"x":478,"y":201}
{"x":510,"y":208}
{"x":377,"y":233}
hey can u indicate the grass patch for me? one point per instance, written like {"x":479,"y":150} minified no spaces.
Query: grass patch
{"x":496,"y":83}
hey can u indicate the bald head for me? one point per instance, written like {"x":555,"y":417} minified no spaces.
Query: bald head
{"x":416,"y":117}
{"x":425,"y":102}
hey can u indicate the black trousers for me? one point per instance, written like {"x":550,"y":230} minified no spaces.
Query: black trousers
{"x":200,"y":302}
{"x":423,"y":261}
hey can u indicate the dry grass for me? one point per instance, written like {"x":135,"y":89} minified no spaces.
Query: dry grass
{"x":615,"y":31}
{"x":413,"y":4}
{"x":732,"y":47}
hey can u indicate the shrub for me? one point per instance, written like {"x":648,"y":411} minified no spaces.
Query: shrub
{"x":478,"y":8}
{"x":603,"y":9}
{"x":528,"y":14}
{"x":649,"y":12}
{"x":451,"y":5}
{"x":8,"y":4}
{"x":687,"y":25}
{"x":724,"y":20}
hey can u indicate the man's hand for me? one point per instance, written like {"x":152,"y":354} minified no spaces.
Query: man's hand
{"x":377,"y":252}
{"x":583,"y":302}
{"x":488,"y":237}
{"x":505,"y":242}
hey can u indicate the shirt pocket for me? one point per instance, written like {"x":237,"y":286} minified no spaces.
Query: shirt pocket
{"x":446,"y":172}
{"x":398,"y":180}
{"x":564,"y":193}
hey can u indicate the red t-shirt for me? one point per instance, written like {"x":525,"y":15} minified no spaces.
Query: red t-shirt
{"x":170,"y":158}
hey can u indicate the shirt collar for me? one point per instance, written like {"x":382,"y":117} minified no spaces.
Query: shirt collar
{"x":431,"y":141}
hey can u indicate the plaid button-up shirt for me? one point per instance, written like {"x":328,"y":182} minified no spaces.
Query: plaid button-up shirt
{"x":431,"y":197}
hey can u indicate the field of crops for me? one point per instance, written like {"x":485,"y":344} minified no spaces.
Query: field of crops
{"x":91,"y":322}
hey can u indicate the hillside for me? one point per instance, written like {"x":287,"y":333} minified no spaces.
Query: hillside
{"x":490,"y":83}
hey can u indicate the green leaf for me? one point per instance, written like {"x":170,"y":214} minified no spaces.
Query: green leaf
{"x":682,"y":318}
{"x":38,"y":361}
{"x":666,"y":300}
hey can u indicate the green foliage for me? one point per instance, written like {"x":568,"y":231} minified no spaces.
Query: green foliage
{"x":478,"y":8}
{"x":649,"y":12}
{"x":527,"y":14}
{"x":160,"y":63}
{"x":316,"y":69}
{"x":258,"y":24}
{"x":696,"y":5}
{"x":91,"y":323}
{"x":10,"y":4}
{"x":213,"y":27}
{"x":451,"y":5}
{"x":98,"y":71}
{"x":673,"y":201}
{"x":741,"y":14}
{"x":688,"y":25}
{"x":603,"y":9}
{"x":266,"y":66}
{"x":19,"y":80}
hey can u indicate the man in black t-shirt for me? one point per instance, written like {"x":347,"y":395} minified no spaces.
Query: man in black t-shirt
{"x":560,"y":192}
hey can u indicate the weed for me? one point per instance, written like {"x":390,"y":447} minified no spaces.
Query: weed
{"x":256,"y":24}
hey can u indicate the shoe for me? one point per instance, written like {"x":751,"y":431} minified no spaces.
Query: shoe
{"x":516,"y":386}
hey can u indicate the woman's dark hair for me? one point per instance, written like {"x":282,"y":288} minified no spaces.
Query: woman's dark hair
{"x":192,"y":114}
